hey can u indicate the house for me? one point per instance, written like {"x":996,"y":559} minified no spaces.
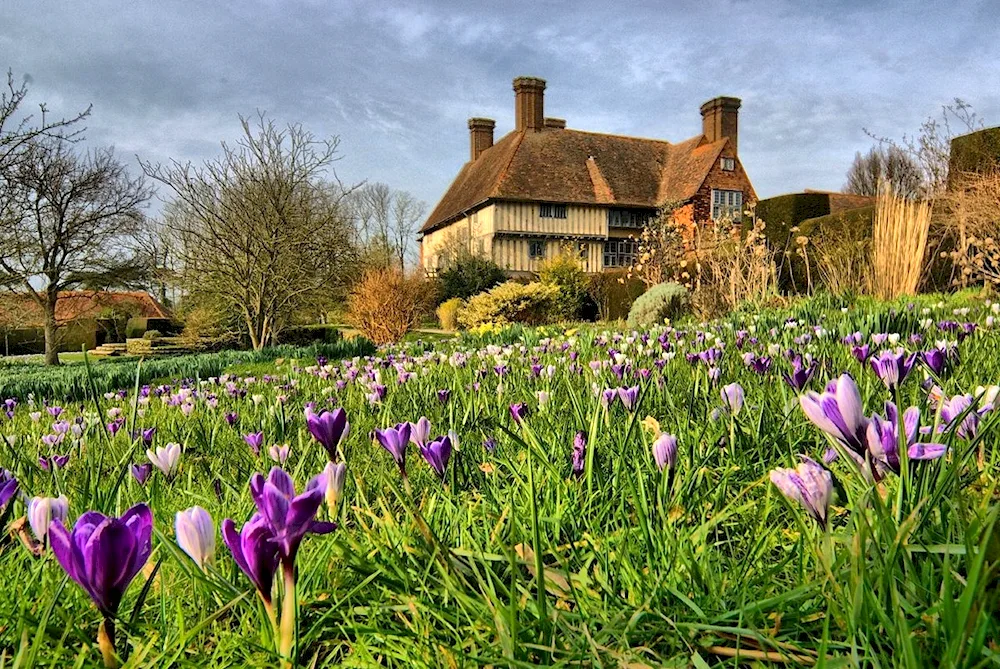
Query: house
{"x":544,"y":186}
{"x":85,"y":318}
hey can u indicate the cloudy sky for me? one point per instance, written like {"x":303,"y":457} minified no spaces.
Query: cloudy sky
{"x":397,"y":81}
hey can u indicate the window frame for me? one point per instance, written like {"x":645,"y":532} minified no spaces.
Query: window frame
{"x":621,"y":252}
{"x":727,"y":164}
{"x":531,"y":249}
{"x":727,"y":203}
{"x":552,"y":210}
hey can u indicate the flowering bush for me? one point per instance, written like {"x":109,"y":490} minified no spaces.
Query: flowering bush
{"x":512,"y":302}
{"x":447,"y":313}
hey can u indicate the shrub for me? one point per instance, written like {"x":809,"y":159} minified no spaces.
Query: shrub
{"x":303,"y":335}
{"x":511,"y":302}
{"x":565,"y":273}
{"x":151,"y":334}
{"x":665,"y":300}
{"x":447,"y":313}
{"x":468,"y":276}
{"x":386,"y":304}
{"x":613,"y":293}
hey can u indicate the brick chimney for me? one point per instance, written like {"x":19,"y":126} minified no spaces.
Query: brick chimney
{"x":480,"y":135}
{"x":719,"y":118}
{"x":529,"y":98}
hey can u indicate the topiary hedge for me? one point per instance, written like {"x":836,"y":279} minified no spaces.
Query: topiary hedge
{"x":662,"y":301}
{"x":512,"y":302}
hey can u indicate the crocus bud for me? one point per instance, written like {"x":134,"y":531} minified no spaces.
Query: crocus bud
{"x":665,"y":451}
{"x":335,"y":473}
{"x":196,"y":534}
{"x":42,"y":511}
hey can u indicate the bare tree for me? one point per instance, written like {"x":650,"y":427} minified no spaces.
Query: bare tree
{"x":69,"y":220}
{"x":18,"y":130}
{"x":930,"y":148}
{"x":258,"y":230}
{"x":888,"y":165}
{"x":387,"y":222}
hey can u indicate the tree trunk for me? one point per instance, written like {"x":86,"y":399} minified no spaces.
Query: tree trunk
{"x":51,"y":331}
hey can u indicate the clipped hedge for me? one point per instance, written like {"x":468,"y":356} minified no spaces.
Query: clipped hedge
{"x":780,"y":214}
{"x":69,"y":382}
{"x":511,"y":302}
{"x":975,"y":152}
{"x":662,"y":301}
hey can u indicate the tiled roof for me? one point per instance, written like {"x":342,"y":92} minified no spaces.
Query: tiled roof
{"x":79,"y":304}
{"x":573,"y":166}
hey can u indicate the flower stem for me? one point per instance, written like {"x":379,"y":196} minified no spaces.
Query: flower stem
{"x":106,"y":642}
{"x":288,"y":605}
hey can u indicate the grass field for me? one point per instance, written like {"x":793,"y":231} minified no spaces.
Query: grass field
{"x":551,"y":535}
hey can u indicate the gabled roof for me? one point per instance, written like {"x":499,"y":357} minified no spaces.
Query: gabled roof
{"x":22,"y":311}
{"x":573,"y":166}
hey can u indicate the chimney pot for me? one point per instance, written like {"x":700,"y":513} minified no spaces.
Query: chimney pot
{"x":720,"y":118}
{"x":529,"y":103}
{"x":480,"y":136}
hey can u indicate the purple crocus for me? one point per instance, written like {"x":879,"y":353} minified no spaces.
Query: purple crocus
{"x":810,"y":484}
{"x":443,"y":396}
{"x":147,"y":436}
{"x":290,"y":516}
{"x":959,"y":414}
{"x":255,"y":552}
{"x":254,"y":441}
{"x":394,"y":440}
{"x":437,"y":453}
{"x":838,"y":412}
{"x":892,"y":367}
{"x":329,"y":428}
{"x":103,"y":554}
{"x":232,"y":418}
{"x":883,"y":440}
{"x":579,"y":456}
{"x":142,"y":471}
{"x":801,"y":373}
{"x":518,"y":412}
{"x":935,"y":360}
{"x":665,"y":451}
{"x":8,"y":487}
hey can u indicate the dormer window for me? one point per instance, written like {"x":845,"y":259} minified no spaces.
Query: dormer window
{"x":548,"y":210}
{"x":728,"y":164}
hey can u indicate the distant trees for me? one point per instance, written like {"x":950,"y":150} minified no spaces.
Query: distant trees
{"x":68,"y":219}
{"x":387,"y":221}
{"x":260,"y":232}
{"x":888,"y":164}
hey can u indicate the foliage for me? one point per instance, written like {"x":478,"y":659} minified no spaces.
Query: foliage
{"x":511,"y":302}
{"x":259,"y":232}
{"x":386,"y":304}
{"x":664,"y":301}
{"x":659,"y":248}
{"x":469,"y":275}
{"x":518,"y":557}
{"x":447,"y":313}
{"x":565,"y":272}
{"x":386,"y":222}
{"x":971,"y":219}
{"x":304,"y":335}
{"x":838,"y":256}
{"x":151,"y":334}
{"x":885,"y":166}
{"x":614,"y":292}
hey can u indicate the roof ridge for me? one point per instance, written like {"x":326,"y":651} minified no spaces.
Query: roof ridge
{"x":619,"y":135}
{"x":603,"y":192}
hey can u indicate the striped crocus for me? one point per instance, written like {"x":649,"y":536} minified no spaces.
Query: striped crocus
{"x":732,"y":398}
{"x":665,"y":451}
{"x":336,"y":475}
{"x":437,"y":453}
{"x":329,"y":428}
{"x":959,"y":414}
{"x":42,"y":511}
{"x":883,"y":440}
{"x":892,"y":367}
{"x":166,"y":458}
{"x":443,"y":396}
{"x":837,"y":411}
{"x":196,"y":535}
{"x":629,"y":397}
{"x":394,"y":440}
{"x":420,"y":432}
{"x":278,"y":453}
{"x":810,"y":484}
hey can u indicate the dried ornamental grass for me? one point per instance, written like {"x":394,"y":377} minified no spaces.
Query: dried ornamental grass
{"x":898,"y":245}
